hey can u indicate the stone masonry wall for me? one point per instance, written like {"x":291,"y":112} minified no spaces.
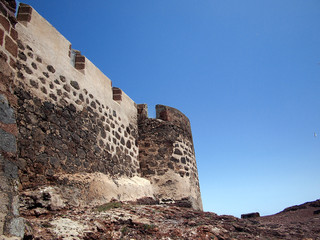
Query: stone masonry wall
{"x":10,"y":222}
{"x":166,"y":154}
{"x":65,"y":124}
{"x":62,"y":123}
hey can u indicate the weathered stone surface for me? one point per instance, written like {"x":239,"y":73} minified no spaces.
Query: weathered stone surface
{"x":7,"y":142}
{"x":22,"y":56}
{"x":11,"y":46}
{"x":173,"y":159}
{"x":10,"y":169}
{"x":66,"y":87}
{"x":58,"y":133}
{"x":46,"y":74}
{"x":2,"y":222}
{"x":177,"y":151}
{"x":168,"y":140}
{"x":7,"y":115}
{"x":4,"y":203}
{"x":15,"y":206}
{"x":34,"y":83}
{"x":47,"y":198}
{"x":3,"y":237}
{"x":39,"y":59}
{"x":20,"y":45}
{"x":75,"y":85}
{"x":51,"y":69}
{"x":93,"y":105}
{"x":16,"y":227}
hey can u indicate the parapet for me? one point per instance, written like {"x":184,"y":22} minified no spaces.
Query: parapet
{"x":53,"y":47}
{"x":40,"y":31}
{"x":174,"y":116}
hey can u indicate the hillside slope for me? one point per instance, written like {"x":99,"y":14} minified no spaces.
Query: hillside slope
{"x":147,"y":219}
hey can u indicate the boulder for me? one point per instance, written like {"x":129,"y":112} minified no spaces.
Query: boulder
{"x":250,"y":215}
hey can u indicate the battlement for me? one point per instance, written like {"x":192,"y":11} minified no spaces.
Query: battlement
{"x":64,"y":125}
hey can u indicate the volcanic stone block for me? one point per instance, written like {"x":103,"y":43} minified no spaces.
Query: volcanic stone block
{"x":250,"y":215}
{"x":75,"y":85}
{"x":5,"y":23}
{"x":11,"y":46}
{"x":7,"y":142}
{"x":22,"y":56}
{"x":177,"y":151}
{"x":316,"y":212}
{"x":51,"y":69}
{"x":6,"y":112}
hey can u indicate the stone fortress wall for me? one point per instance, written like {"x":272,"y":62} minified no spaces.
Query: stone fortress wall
{"x":63,"y":125}
{"x":67,"y":117}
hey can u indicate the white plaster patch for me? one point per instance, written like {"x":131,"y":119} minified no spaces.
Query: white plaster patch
{"x":98,"y":188}
{"x":68,"y":229}
{"x":172,"y":186}
{"x":2,"y":237}
{"x":103,"y":188}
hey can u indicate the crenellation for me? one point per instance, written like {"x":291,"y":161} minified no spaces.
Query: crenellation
{"x":24,"y":13}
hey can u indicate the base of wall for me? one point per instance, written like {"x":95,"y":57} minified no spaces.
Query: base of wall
{"x":83,"y":190}
{"x":2,"y":237}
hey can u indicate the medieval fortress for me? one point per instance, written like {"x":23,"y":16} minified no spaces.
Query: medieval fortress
{"x":66,"y":131}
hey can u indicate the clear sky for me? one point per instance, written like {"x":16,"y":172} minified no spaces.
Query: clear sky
{"x":246,"y":73}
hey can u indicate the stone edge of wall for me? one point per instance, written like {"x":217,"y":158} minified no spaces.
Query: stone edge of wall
{"x":11,"y":224}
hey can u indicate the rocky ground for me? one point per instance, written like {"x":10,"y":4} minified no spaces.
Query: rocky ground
{"x":147,"y":219}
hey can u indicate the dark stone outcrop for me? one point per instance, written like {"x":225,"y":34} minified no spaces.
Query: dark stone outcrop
{"x":250,"y":215}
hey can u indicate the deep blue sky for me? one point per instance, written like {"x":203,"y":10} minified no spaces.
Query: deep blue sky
{"x":246,"y":73}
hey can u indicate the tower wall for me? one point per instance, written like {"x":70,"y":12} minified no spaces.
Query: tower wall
{"x":166,"y":155}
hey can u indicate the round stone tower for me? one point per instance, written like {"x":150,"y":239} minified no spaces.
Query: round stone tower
{"x":166,"y":155}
